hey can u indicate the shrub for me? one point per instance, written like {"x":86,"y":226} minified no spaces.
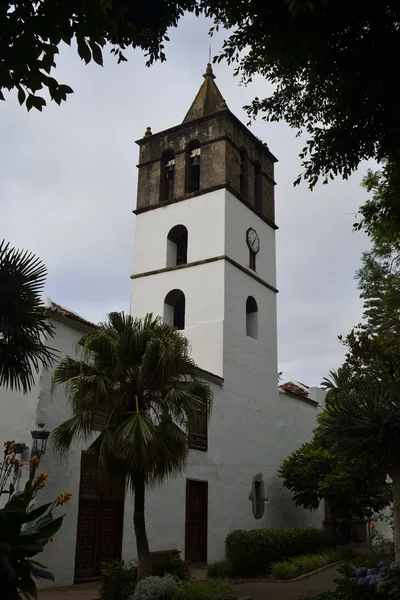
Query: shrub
{"x":209,"y":589}
{"x":252,"y":552}
{"x":219,"y":569}
{"x":173,"y":565}
{"x":290,"y":569}
{"x":117,"y":581}
{"x":155,"y":588}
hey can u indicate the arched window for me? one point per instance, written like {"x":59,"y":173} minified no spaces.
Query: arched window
{"x":243,"y":173}
{"x":167,"y":175}
{"x":251,"y":318}
{"x":257,"y":185}
{"x":174,"y":309}
{"x":192,"y":183}
{"x":177,"y":243}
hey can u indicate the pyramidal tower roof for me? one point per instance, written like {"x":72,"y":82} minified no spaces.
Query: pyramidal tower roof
{"x":208,"y":99}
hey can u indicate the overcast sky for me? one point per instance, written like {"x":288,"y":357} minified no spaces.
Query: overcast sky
{"x":68,"y":188}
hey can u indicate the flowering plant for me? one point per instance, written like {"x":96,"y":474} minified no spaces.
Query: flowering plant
{"x":24,"y":529}
{"x":363,"y":576}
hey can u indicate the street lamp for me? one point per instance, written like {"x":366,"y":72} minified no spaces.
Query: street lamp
{"x":39,"y":443}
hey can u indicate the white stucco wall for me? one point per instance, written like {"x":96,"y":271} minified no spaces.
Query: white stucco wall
{"x":204,"y":219}
{"x":203,"y":287}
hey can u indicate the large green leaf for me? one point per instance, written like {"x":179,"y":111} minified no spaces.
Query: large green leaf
{"x":41,"y":573}
{"x":35,"y":514}
{"x":23,"y":550}
{"x":47,"y":530}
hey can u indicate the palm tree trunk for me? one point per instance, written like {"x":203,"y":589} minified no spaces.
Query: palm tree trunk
{"x":142,"y":544}
{"x":395,"y":475}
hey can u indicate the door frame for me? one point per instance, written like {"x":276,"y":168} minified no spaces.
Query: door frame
{"x":205,"y":549}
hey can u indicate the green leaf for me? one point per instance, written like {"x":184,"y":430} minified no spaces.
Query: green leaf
{"x":21,"y":96}
{"x":84,"y":50}
{"x":48,"y":529}
{"x":35,"y":514}
{"x":41,"y":573}
{"x":97,"y":53}
{"x":36,"y":563}
{"x":65,"y":89}
{"x":27,"y":550}
{"x":27,"y":585}
{"x":5,"y":548}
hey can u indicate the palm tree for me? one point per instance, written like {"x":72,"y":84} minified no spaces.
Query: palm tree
{"x":23,"y":324}
{"x":139,"y":375}
{"x":337,"y":382}
{"x":364,"y":425}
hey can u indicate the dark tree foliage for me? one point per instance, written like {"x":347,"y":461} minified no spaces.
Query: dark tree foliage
{"x":332,"y":66}
{"x":31,"y":32}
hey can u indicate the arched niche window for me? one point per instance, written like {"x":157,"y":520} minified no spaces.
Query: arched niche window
{"x":257,"y":185}
{"x":251,"y":318}
{"x":192,"y":183}
{"x":257,"y":496}
{"x":177,"y":243}
{"x":244,"y":168}
{"x":167,"y":175}
{"x":174,"y":309}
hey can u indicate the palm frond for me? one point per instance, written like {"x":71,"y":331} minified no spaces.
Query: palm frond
{"x":23,"y":322}
{"x":364,"y":425}
{"x":77,"y":428}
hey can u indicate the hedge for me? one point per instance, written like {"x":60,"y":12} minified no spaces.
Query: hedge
{"x":251,"y":553}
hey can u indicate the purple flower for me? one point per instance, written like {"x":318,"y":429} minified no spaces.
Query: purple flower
{"x":361,"y":571}
{"x":371,"y":572}
{"x":381,"y":564}
{"x":361,"y":581}
{"x":352,"y":578}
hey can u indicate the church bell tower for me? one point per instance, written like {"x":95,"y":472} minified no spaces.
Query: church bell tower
{"x":204,"y":245}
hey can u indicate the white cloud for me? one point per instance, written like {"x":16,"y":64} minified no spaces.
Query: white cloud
{"x":68,"y":186}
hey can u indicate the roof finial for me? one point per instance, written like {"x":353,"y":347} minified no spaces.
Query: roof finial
{"x":209,"y":54}
{"x":209,"y":71}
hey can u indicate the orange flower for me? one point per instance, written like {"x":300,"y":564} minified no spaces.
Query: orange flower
{"x":34,"y":461}
{"x":51,"y":538}
{"x":372,"y":525}
{"x":40,"y":479}
{"x":64,"y":498}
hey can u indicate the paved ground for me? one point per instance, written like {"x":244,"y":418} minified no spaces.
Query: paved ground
{"x":290,"y":590}
{"x":263,"y":590}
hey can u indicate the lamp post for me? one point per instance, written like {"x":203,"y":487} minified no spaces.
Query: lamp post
{"x":39,"y":443}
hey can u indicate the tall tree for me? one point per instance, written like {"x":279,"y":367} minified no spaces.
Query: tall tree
{"x":315,"y":472}
{"x":23,"y":323}
{"x":138,"y":374}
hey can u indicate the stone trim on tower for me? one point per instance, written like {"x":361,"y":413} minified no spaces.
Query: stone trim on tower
{"x":208,"y":147}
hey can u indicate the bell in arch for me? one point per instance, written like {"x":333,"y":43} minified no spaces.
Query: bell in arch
{"x":196,"y":161}
{"x":170,"y":171}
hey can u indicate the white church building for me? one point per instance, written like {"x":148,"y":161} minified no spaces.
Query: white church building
{"x":204,"y":259}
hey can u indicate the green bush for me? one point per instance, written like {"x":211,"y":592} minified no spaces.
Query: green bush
{"x":295,"y":567}
{"x":251,"y":553}
{"x":209,"y":589}
{"x":117,"y":581}
{"x":219,"y":569}
{"x":171,"y":564}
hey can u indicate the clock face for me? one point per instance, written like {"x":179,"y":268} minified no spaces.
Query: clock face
{"x":253,"y":241}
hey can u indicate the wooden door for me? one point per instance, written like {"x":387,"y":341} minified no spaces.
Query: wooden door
{"x":100,"y":521}
{"x":196,"y":522}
